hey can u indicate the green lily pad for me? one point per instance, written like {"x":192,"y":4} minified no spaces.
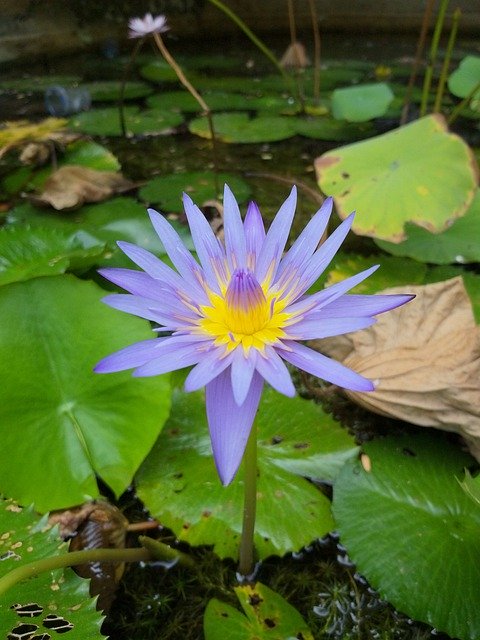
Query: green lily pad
{"x":464,"y":79}
{"x":459,"y":243}
{"x":56,"y":599}
{"x":419,"y":173}
{"x":268,"y":616}
{"x":240,"y":128}
{"x":61,"y":425}
{"x":178,"y":481}
{"x":327,"y":128}
{"x":165,"y":191}
{"x":361,"y":102}
{"x":184,"y":101}
{"x":110,"y":90}
{"x":412,"y":531}
{"x":106,"y":122}
{"x":85,"y":153}
{"x":38,"y":84}
{"x":27,"y":253}
{"x":158,"y":71}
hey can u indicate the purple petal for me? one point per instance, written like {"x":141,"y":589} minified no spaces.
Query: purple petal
{"x":276,"y":239}
{"x":271,"y":367}
{"x":209,"y":367}
{"x":304,"y":246}
{"x":319,"y":365}
{"x":141,"y":307}
{"x":229,"y":424}
{"x":254,"y":234}
{"x":234,"y":234}
{"x":136,"y":282}
{"x":243,"y":368}
{"x":209,"y":250}
{"x":182,"y":259}
{"x":363,"y":305}
{"x":320,"y":327}
{"x":175,"y":352}
{"x":152,"y":265}
{"x":130,"y":357}
{"x":321,"y":258}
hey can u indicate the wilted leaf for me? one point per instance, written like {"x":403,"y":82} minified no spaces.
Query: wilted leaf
{"x":71,"y":186}
{"x":13,"y":133}
{"x":424,"y":358}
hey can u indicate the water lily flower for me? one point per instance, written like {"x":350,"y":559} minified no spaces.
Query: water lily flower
{"x":140,"y":27}
{"x":238,"y":313}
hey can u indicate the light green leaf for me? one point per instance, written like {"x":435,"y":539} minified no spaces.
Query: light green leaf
{"x":268,"y":616}
{"x":60,"y":423}
{"x":419,"y":173}
{"x":464,"y":79}
{"x":178,"y":481}
{"x":361,"y":102}
{"x":55,"y":599}
{"x":412,"y":531}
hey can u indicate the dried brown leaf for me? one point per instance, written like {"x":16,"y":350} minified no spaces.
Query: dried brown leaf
{"x":424,"y":358}
{"x":71,"y":186}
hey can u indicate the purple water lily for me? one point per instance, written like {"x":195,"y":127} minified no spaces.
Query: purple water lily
{"x":140,"y":27}
{"x":239,"y":312}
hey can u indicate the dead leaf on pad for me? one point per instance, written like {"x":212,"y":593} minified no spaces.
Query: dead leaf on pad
{"x":424,"y":359}
{"x":71,"y":186}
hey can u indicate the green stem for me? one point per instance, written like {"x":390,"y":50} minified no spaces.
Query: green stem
{"x":432,"y":56}
{"x":256,"y":41}
{"x":32,"y":569}
{"x":246,"y":563}
{"x":194,"y":93}
{"x":446,"y":62}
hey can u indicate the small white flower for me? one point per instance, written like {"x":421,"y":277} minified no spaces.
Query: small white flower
{"x":140,"y":27}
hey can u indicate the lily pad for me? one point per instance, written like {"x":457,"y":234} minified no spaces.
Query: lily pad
{"x":165,"y":191}
{"x":464,"y":79}
{"x":326,"y":128}
{"x":184,"y":101}
{"x":38,"y":84}
{"x":74,"y":424}
{"x":268,"y":616}
{"x":110,"y":90}
{"x":412,"y":531}
{"x":361,"y":102}
{"x":30,"y":253}
{"x":240,"y":128}
{"x":419,"y":173}
{"x":179,"y":484}
{"x":459,"y":243}
{"x":106,"y":122}
{"x":53,"y":602}
{"x":158,"y":71}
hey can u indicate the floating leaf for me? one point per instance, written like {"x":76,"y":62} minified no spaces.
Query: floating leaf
{"x":54,"y":602}
{"x":64,"y":423}
{"x":412,"y":531}
{"x":184,"y":101}
{"x":71,"y":186}
{"x":325,"y":128}
{"x":110,"y":90}
{"x":459,"y":243}
{"x":179,"y":484}
{"x":13,"y":133}
{"x":267,"y":617}
{"x":106,"y":122}
{"x":165,"y":191}
{"x":464,"y":79}
{"x":361,"y":102}
{"x":419,"y":173}
{"x":30,"y":253}
{"x":158,"y":71}
{"x":240,"y":128}
{"x":424,"y":358}
{"x":38,"y":84}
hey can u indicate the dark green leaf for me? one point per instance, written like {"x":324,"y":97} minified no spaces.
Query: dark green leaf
{"x":240,"y":128}
{"x":106,"y":122}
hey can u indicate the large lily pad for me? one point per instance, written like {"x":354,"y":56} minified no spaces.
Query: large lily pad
{"x":362,"y":102}
{"x":165,"y":191}
{"x":459,"y":243}
{"x":179,"y":484}
{"x":106,"y":122}
{"x":60,"y":423}
{"x":419,"y":173}
{"x":413,"y":531}
{"x":240,"y":128}
{"x":267,"y":617}
{"x":54,"y":602}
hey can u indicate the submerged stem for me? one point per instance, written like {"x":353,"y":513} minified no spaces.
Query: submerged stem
{"x":246,"y":564}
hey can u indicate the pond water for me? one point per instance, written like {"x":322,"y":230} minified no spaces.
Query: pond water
{"x":320,"y":580}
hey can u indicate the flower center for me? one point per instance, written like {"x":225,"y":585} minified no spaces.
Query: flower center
{"x":246,"y":309}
